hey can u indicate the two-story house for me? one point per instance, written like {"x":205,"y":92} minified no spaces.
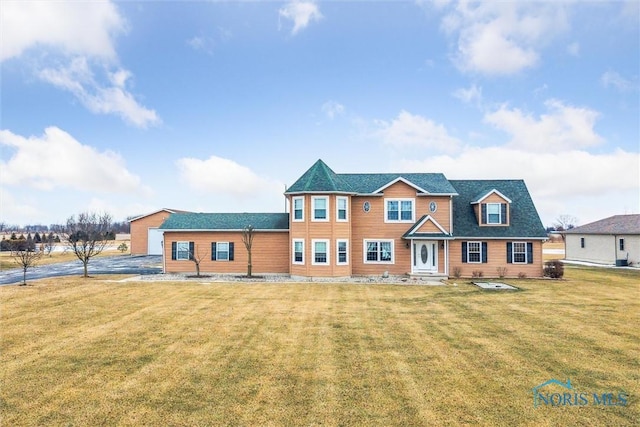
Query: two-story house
{"x":342,"y":225}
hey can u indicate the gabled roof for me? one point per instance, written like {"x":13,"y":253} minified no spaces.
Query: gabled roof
{"x":524,"y":219}
{"x":155,"y":212}
{"x":483,"y":196}
{"x":321,"y":179}
{"x":617,"y":224}
{"x":226,"y":221}
{"x":413,"y":232}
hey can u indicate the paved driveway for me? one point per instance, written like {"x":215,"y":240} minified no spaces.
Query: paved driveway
{"x":119,"y":264}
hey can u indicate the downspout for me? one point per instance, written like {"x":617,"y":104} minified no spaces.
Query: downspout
{"x":615,"y":250}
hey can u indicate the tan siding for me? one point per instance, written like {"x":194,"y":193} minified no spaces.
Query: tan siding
{"x":270,"y":252}
{"x":442,"y":213}
{"x":496,"y":257}
{"x":140,"y":231}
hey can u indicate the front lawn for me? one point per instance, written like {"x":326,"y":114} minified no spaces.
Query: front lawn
{"x":95,"y":351}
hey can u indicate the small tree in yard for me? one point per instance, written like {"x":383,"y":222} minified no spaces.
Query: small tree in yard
{"x":196,"y":257}
{"x":86,"y":235}
{"x":247,"y":239}
{"x":123,"y":247}
{"x":25,"y":257}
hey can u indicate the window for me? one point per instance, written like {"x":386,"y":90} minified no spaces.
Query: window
{"x":621,"y":243}
{"x":341,"y":209}
{"x":182,"y":251}
{"x":320,"y":207}
{"x":399,"y":210}
{"x":341,"y":250}
{"x":320,"y":252}
{"x":582,"y":242}
{"x":298,"y":208}
{"x":493,"y":213}
{"x":222,"y":251}
{"x":474,"y":252}
{"x":378,"y":251}
{"x":519,"y":253}
{"x":298,"y":251}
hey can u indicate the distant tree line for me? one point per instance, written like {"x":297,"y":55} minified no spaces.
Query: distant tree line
{"x":117,"y":227}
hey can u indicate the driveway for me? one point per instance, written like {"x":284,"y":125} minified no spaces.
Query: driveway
{"x":119,"y":264}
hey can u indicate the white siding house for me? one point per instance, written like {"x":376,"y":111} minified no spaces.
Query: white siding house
{"x":613,"y":241}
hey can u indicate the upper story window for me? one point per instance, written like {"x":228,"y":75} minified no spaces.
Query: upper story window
{"x":341,"y":208}
{"x":320,"y":208}
{"x":494,"y":213}
{"x":298,"y":208}
{"x":399,"y":210}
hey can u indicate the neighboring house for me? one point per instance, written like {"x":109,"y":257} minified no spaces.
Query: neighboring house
{"x":343,"y":225}
{"x":614,"y":241}
{"x":146,"y":238}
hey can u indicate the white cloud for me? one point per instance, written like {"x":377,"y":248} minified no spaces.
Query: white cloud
{"x":217,"y":175}
{"x":574,"y":49}
{"x":301,"y":13}
{"x":80,"y":28}
{"x":57,"y":160}
{"x":560,"y":182}
{"x":468,"y":96}
{"x":332,"y":109}
{"x":563,"y":128}
{"x":112,"y":98}
{"x":409,"y":130}
{"x":501,"y":38}
{"x":613,"y":79}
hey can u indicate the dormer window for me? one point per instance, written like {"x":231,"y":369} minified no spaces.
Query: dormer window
{"x":493,"y":213}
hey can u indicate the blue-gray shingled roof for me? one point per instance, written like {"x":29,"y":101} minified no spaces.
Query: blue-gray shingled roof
{"x":226,"y":221}
{"x":617,"y":224}
{"x":524,"y":218}
{"x":320,"y":178}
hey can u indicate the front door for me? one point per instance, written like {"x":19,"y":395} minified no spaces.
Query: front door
{"x":425,"y":256}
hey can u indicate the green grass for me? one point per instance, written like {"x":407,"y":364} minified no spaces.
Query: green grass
{"x":97,"y":352}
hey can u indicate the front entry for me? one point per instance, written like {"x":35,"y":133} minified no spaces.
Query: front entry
{"x":425,"y":256}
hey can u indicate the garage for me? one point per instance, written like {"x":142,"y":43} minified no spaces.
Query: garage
{"x":154,"y":241}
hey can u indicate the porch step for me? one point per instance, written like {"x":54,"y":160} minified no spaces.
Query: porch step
{"x":435,"y":276}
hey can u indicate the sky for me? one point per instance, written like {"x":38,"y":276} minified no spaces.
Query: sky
{"x":216,"y":106}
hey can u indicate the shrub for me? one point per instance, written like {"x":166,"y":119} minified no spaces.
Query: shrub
{"x":522,"y":275}
{"x":477,"y":273}
{"x":457,"y":272}
{"x":502,"y":271}
{"x":554,"y":269}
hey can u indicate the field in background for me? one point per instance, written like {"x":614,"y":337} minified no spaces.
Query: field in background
{"x":101,"y":352}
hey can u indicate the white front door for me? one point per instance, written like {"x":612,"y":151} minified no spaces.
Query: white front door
{"x":425,"y":256}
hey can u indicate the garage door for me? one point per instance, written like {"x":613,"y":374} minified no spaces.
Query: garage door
{"x":154,"y":242}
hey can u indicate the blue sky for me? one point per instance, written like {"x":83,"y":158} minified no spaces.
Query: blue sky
{"x":130,"y":107}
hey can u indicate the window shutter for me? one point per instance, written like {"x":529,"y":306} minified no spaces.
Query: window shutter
{"x":173,"y":250}
{"x":230,"y":251}
{"x":192,"y":248}
{"x":464,"y":251}
{"x":484,"y":252}
{"x":529,"y":253}
{"x":483,"y":213}
{"x":509,"y":252}
{"x":213,"y":251}
{"x":503,"y":212}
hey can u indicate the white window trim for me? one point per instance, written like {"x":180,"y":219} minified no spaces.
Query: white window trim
{"x":513,"y":253}
{"x":479,"y":252}
{"x":293,"y":210}
{"x":178,"y":251}
{"x":399,"y":220}
{"x":499,"y":213}
{"x":364,"y":251}
{"x":313,"y":208}
{"x":293,"y":251}
{"x":218,"y":251}
{"x":338,"y":241}
{"x":313,"y":251}
{"x":346,"y":208}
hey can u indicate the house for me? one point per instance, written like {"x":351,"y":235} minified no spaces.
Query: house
{"x":614,"y":241}
{"x":343,"y":225}
{"x":146,"y":238}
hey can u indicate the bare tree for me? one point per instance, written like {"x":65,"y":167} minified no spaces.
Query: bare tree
{"x":47,"y":244}
{"x":565,"y":222}
{"x":25,"y":256}
{"x":247,"y":239}
{"x":196,"y":257}
{"x":86,"y":235}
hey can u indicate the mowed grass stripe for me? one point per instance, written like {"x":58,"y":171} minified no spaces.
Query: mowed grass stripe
{"x":183,"y":353}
